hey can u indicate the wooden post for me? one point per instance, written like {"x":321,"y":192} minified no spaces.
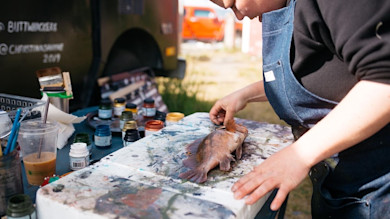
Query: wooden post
{"x":230,"y":32}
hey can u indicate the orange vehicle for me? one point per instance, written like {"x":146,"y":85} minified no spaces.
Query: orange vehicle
{"x":202,"y":23}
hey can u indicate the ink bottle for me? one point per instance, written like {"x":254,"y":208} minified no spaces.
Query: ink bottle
{"x":103,"y":137}
{"x":20,"y":206}
{"x":173,"y":118}
{"x":105,"y":109}
{"x":129,"y":125}
{"x":131,"y":107}
{"x":131,"y":136}
{"x":83,"y":137}
{"x":160,"y":116}
{"x":148,"y":108}
{"x":119,"y":106}
{"x":78,"y":156}
{"x":153,"y":126}
{"x":126,"y":116}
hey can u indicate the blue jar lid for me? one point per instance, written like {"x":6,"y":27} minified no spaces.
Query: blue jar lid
{"x":103,"y":130}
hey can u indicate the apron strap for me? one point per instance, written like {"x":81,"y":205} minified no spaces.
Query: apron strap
{"x":266,"y":212}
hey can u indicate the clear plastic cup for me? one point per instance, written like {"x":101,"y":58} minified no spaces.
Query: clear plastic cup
{"x":38,"y":143}
{"x":5,"y":124}
{"x":10,"y":178}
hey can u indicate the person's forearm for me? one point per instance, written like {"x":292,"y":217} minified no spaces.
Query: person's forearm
{"x":363,"y":112}
{"x":253,"y":92}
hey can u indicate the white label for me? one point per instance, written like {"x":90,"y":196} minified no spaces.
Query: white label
{"x":118,"y":110}
{"x":149,"y":112}
{"x":269,"y":76}
{"x":105,"y":114}
{"x":77,"y":163}
{"x":147,"y":132}
{"x":103,"y":141}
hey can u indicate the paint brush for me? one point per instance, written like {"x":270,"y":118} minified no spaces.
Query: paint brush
{"x":50,"y":77}
{"x":14,"y":140}
{"x":13,"y":131}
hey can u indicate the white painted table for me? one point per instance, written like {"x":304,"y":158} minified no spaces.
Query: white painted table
{"x":141,"y":181}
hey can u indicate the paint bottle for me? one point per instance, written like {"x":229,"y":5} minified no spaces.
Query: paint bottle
{"x":126,"y":116}
{"x":103,"y":137}
{"x":148,"y":108}
{"x":160,"y":116}
{"x":119,"y":106}
{"x":132,"y":108}
{"x":20,"y":206}
{"x":131,"y":136}
{"x":78,"y":156}
{"x":129,"y":125}
{"x":173,"y":118}
{"x":84,"y":138}
{"x":153,"y":126}
{"x":105,"y":109}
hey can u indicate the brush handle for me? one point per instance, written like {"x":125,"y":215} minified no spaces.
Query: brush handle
{"x":13,"y":131}
{"x":14,"y":140}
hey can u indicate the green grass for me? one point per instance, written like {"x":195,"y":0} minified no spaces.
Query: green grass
{"x":182,"y":97}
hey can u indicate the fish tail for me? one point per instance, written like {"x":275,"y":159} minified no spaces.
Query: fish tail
{"x":194,"y":176}
{"x":231,"y":126}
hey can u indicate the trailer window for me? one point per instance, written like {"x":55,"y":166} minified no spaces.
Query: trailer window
{"x":203,"y":13}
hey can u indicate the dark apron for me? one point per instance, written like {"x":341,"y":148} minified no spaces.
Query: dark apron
{"x":352,"y":184}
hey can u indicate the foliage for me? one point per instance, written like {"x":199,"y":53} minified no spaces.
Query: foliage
{"x":182,"y":97}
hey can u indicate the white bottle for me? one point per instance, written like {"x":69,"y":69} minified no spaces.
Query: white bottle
{"x":79,"y":156}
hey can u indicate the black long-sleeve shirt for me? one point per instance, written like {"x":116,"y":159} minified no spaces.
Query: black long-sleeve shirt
{"x":336,"y":43}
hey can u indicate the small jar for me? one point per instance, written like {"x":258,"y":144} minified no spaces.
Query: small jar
{"x":83,"y":137}
{"x":20,"y":206}
{"x":160,"y":116}
{"x":153,"y":126}
{"x":126,"y":116}
{"x":129,"y":125}
{"x":148,"y":108}
{"x":131,"y":107}
{"x":173,"y":118}
{"x":105,"y":109}
{"x":103,"y":137}
{"x":119,"y":106}
{"x":131,"y":136}
{"x":78,"y":156}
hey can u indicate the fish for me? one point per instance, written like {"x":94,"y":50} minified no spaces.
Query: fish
{"x":215,"y":149}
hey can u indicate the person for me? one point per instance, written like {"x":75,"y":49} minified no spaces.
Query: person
{"x":326,"y":72}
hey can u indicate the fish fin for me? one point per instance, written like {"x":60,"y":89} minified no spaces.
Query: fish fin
{"x":196,"y":175}
{"x":239,"y":152}
{"x":231,"y":126}
{"x":242,"y":129}
{"x":224,"y":165}
{"x":193,"y":147}
{"x":191,"y":162}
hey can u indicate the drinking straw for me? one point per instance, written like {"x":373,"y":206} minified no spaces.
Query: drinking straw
{"x":44,"y":122}
{"x":46,"y":110}
{"x":13,"y":132}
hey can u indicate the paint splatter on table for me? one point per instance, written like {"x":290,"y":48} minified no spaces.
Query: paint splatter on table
{"x":141,"y":181}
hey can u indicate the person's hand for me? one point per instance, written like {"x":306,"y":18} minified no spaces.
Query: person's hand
{"x":284,"y":170}
{"x":225,"y":109}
